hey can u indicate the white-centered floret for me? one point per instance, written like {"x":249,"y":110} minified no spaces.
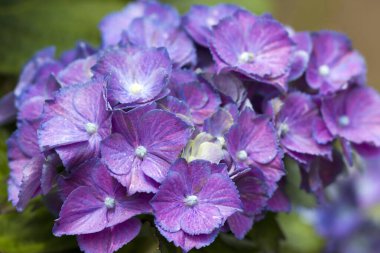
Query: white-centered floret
{"x":109,"y":202}
{"x":140,"y":151}
{"x":91,"y":128}
{"x":324,"y":70}
{"x":242,"y":155}
{"x":136,"y":88}
{"x":246,"y":57}
{"x":344,"y":120}
{"x":191,"y":200}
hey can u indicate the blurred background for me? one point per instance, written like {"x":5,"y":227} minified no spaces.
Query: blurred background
{"x":29,"y":25}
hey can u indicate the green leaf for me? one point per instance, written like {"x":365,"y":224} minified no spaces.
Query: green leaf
{"x":256,"y":6}
{"x":293,"y":189}
{"x":146,"y":241}
{"x":4,"y":170}
{"x":267,"y":234}
{"x":300,"y":235}
{"x":165,"y":246}
{"x":29,"y":25}
{"x":30,"y":232}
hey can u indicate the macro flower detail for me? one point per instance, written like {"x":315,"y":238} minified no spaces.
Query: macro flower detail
{"x":31,"y":172}
{"x":252,"y":142}
{"x":247,"y":49}
{"x":134,"y":76}
{"x":146,"y":32}
{"x":200,"y":20}
{"x":304,"y":46}
{"x":113,"y":25}
{"x":294,"y":124}
{"x":254,"y":196}
{"x":145,"y":142}
{"x":99,"y":204}
{"x":195,"y":199}
{"x":75,"y":122}
{"x":200,"y":97}
{"x":218,"y":128}
{"x":79,"y":71}
{"x":354,"y":115}
{"x":110,"y":239}
{"x":334,"y":65}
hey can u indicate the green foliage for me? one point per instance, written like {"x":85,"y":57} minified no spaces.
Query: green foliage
{"x":293,"y":189}
{"x":257,"y":6}
{"x":300,"y":235}
{"x":30,"y":232}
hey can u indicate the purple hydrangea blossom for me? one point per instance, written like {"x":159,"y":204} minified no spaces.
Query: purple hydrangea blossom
{"x":31,"y":172}
{"x":113,"y":25}
{"x":254,"y":195}
{"x":75,"y":122}
{"x":201,"y":98}
{"x":134,"y":76}
{"x":189,"y":120}
{"x":252,"y":142}
{"x":36,"y":69}
{"x":8,"y":109}
{"x":145,"y":142}
{"x":78,"y":71}
{"x":200,"y":20}
{"x":195,"y":199}
{"x":110,"y":239}
{"x":101,"y":202}
{"x":354,"y":115}
{"x":294,"y":123}
{"x":262,"y":50}
{"x":81,"y":51}
{"x":333,"y":63}
{"x":32,"y":100}
{"x":231,"y":88}
{"x":300,"y":61}
{"x":146,"y":32}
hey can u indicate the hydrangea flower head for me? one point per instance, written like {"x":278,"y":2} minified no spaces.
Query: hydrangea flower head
{"x":75,"y":122}
{"x":195,"y":199}
{"x":99,"y":203}
{"x":113,"y":25}
{"x":147,"y":32}
{"x":200,"y":20}
{"x":354,"y":115}
{"x":333,"y":63}
{"x":195,"y":125}
{"x":144,"y":144}
{"x":256,"y":46}
{"x":134,"y":76}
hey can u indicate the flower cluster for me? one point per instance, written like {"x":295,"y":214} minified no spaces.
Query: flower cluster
{"x":187,"y":119}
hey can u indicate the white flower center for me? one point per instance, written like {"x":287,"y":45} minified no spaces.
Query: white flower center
{"x":221,"y":140}
{"x":246,"y":57}
{"x":109,"y":202}
{"x":303,"y":54}
{"x":283,"y":129}
{"x":91,"y":128}
{"x":242,"y":155}
{"x":211,"y":22}
{"x":140,"y":151}
{"x":344,"y":120}
{"x":191,"y":200}
{"x":324,"y":70}
{"x":135,"y":88}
